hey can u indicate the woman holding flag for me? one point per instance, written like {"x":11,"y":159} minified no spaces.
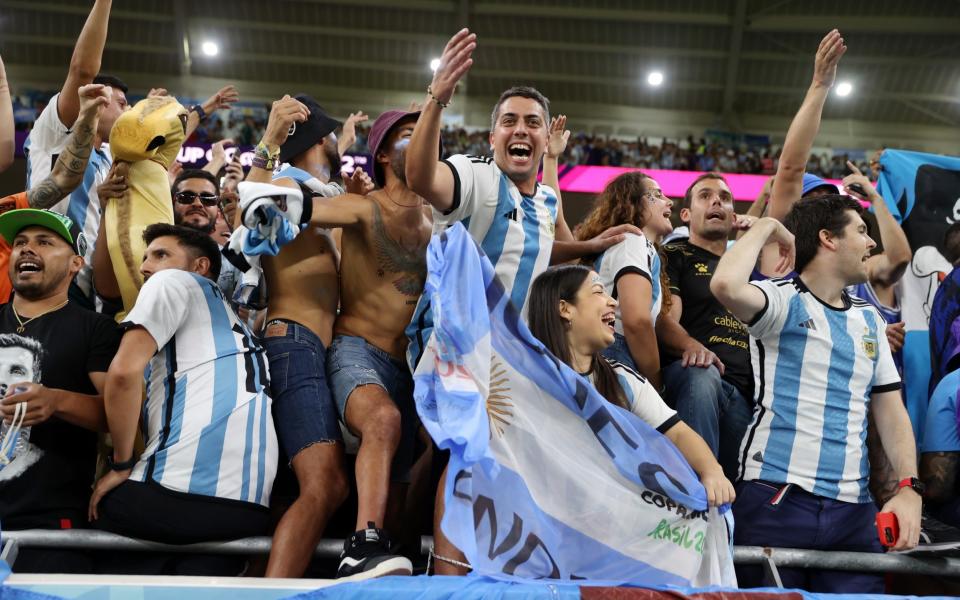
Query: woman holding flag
{"x":573,"y":315}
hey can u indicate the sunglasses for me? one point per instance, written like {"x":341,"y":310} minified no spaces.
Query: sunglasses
{"x":189,"y":198}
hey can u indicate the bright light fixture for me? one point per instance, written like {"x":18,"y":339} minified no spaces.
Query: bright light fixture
{"x":435,"y":64}
{"x":655,"y":78}
{"x":844,"y":88}
{"x":210,"y":48}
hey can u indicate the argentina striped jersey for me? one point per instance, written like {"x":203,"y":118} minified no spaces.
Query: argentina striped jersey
{"x":635,"y":254}
{"x":207,"y":423}
{"x":815,"y":367}
{"x":43,"y":146}
{"x":642,"y":398}
{"x":516,"y":233}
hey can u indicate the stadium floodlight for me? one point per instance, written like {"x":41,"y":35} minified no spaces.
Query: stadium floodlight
{"x":435,"y":64}
{"x":655,"y":78}
{"x":210,"y":48}
{"x":844,"y":88}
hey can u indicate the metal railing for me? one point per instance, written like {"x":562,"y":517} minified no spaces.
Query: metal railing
{"x":771,"y":559}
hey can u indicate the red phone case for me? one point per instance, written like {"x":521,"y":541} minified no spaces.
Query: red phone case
{"x":888,"y":529}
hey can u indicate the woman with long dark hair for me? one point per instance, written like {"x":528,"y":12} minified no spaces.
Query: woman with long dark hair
{"x":631,"y":269}
{"x":572,"y":314}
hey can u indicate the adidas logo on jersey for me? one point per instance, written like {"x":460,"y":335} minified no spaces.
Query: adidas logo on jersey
{"x":808,"y":324}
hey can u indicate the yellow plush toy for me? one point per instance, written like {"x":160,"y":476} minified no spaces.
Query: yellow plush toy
{"x":149,"y":137}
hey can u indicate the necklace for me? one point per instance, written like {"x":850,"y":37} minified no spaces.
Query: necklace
{"x":397,"y":203}
{"x":23,"y":323}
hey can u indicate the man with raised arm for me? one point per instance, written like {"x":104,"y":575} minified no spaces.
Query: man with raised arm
{"x":821,"y":361}
{"x":50,"y":132}
{"x":304,"y":294}
{"x":518,"y":223}
{"x":67,"y":173}
{"x":382,"y":271}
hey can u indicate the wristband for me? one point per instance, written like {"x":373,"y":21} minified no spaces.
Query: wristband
{"x":199,"y":110}
{"x":121,"y":466}
{"x":264,"y":157}
{"x":912,"y":483}
{"x":435,"y":99}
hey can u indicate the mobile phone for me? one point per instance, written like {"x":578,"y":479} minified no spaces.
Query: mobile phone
{"x":888,"y":529}
{"x":857,"y":189}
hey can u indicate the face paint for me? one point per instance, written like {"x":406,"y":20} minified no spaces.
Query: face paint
{"x":401,"y":144}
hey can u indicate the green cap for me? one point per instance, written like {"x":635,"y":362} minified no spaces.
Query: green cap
{"x":13,"y":221}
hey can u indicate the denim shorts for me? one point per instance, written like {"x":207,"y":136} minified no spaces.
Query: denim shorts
{"x":303,"y":411}
{"x":351,"y":363}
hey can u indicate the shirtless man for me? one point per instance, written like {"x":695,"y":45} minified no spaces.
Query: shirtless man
{"x":384,"y":241}
{"x":303,"y":288}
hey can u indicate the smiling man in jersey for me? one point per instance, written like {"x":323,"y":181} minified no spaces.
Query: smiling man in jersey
{"x":821,"y":361}
{"x":518,"y":223}
{"x":210,"y":448}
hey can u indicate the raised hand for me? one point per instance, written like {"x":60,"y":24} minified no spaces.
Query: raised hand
{"x":858,"y":185}
{"x":224,"y":97}
{"x":94,"y":97}
{"x":454,"y":63}
{"x":785,"y":246}
{"x":828,"y":56}
{"x":559,"y":136}
{"x":358,"y":182}
{"x":233,"y":175}
{"x":283,"y":114}
{"x":176,"y":167}
{"x":348,"y":135}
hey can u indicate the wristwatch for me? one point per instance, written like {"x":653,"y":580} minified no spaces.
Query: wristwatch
{"x":199,"y":110}
{"x":914,"y":483}
{"x":121,"y":466}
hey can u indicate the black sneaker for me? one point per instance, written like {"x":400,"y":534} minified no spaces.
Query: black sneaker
{"x":936,"y":536}
{"x":366,"y":554}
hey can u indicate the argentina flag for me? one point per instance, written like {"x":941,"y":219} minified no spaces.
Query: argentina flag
{"x":922,"y":192}
{"x":546,"y":478}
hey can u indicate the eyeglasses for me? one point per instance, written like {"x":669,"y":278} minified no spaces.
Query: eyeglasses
{"x":206,"y":199}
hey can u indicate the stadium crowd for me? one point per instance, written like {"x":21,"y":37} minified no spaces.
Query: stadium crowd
{"x":247,"y":339}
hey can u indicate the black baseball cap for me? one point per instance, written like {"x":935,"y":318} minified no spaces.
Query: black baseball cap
{"x":309,"y":133}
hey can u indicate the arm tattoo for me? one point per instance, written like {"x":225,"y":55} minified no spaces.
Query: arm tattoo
{"x":45,"y":194}
{"x":68,"y":172}
{"x":939,"y":471}
{"x":883,"y":478}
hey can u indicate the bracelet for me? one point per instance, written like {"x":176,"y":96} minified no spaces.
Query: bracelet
{"x":199,"y":110}
{"x":267,"y":164}
{"x":435,"y":99}
{"x":120,"y":466}
{"x":264,"y":157}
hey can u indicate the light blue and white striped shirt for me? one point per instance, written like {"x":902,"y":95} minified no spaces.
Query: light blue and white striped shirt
{"x":635,"y":254}
{"x":207,"y":421}
{"x":46,"y":141}
{"x":516,"y":232}
{"x":815,"y":367}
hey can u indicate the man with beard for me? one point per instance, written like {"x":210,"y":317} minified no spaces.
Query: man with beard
{"x":48,"y":487}
{"x":517,"y":222}
{"x":708,"y":378}
{"x":196,"y":204}
{"x":383,"y":267}
{"x":304,"y":294}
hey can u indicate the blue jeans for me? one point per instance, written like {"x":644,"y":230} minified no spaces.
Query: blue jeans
{"x":620,"y":352}
{"x":712,"y":407}
{"x":803,"y":520}
{"x":303,"y":411}
{"x":351,"y":363}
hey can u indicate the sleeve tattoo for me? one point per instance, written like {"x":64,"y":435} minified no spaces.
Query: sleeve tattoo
{"x":68,"y":172}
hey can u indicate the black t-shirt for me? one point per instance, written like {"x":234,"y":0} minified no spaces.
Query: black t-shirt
{"x":690,"y":269}
{"x":49,"y":486}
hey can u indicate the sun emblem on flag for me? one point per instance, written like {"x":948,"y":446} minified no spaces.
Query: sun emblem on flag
{"x":498,"y":402}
